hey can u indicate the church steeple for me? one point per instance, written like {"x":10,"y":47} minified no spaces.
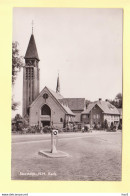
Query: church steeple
{"x":32,"y":49}
{"x":30,"y":75}
{"x":58,"y":85}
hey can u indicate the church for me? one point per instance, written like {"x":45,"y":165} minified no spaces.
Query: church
{"x":47,"y":107}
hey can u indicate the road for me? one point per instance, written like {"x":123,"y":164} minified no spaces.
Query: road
{"x":93,"y":156}
{"x":17,"y":139}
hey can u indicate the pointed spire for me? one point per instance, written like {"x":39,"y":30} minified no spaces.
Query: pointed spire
{"x":32,"y":49}
{"x":58,"y":85}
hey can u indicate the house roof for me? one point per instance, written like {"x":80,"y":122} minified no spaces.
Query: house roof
{"x":105,"y":106}
{"x":120,"y":111}
{"x":74,"y":103}
{"x":90,"y":106}
{"x":68,"y":110}
{"x":31,"y":49}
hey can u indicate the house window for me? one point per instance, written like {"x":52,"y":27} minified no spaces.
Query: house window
{"x":83,"y":116}
{"x":61,"y":119}
{"x":98,"y":116}
{"x":94,"y":116}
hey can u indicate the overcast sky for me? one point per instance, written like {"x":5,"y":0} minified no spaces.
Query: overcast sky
{"x":83,"y":45}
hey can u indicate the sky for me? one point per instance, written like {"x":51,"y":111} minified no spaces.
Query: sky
{"x":83,"y":45}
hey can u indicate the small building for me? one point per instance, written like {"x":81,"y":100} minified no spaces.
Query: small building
{"x":99,"y":111}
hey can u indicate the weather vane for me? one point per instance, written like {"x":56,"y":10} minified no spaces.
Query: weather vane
{"x":58,"y":72}
{"x":32,"y":26}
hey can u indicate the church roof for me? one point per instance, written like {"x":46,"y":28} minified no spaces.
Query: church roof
{"x":74,"y":103}
{"x":60,"y":97}
{"x":68,"y":110}
{"x":56,"y":95}
{"x":31,"y":49}
{"x":105,"y":106}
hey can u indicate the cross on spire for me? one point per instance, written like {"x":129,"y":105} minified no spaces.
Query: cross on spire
{"x":32,"y":26}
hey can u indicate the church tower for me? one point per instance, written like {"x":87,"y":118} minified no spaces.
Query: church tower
{"x":30,"y":76}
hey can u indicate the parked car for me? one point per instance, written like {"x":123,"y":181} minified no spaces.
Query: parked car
{"x":86,"y":128}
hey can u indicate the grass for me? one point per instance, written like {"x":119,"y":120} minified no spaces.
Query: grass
{"x":94,"y":157}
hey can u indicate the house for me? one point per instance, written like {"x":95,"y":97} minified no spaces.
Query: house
{"x":99,"y":111}
{"x":76,"y":105}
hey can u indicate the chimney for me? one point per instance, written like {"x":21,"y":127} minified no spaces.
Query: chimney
{"x":106,"y":100}
{"x":100,"y":99}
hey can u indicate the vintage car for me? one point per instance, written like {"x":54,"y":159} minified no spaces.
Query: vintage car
{"x":86,"y":128}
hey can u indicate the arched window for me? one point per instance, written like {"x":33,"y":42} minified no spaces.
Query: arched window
{"x":45,"y":110}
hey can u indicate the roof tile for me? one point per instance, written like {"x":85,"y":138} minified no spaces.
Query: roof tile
{"x":74,"y":103}
{"x":105,"y":106}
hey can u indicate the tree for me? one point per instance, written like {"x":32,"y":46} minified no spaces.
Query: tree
{"x":119,"y":96}
{"x":17,"y":123}
{"x":14,"y":105}
{"x":118,"y":99}
{"x":17,"y":63}
{"x":87,"y":102}
{"x":117,"y":102}
{"x":18,"y":117}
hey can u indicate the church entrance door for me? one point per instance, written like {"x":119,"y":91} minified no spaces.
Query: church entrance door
{"x":45,"y":115}
{"x":45,"y":123}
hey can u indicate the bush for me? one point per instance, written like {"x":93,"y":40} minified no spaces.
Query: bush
{"x":120,"y":126}
{"x":47,"y":129}
{"x":86,"y":128}
{"x":112,"y":127}
{"x":95,"y":126}
{"x":106,"y":124}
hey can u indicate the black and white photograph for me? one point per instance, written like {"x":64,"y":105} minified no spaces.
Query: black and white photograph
{"x":67,"y":68}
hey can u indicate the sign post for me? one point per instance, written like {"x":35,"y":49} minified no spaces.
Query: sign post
{"x":54,"y":136}
{"x":53,"y":153}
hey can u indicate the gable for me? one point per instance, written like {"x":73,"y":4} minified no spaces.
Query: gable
{"x":105,"y":106}
{"x":54,"y":96}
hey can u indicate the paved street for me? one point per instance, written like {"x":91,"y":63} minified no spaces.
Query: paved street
{"x":93,"y":156}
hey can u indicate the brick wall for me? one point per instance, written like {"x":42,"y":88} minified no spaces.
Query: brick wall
{"x":56,"y":111}
{"x":95,"y":116}
{"x":77,"y":115}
